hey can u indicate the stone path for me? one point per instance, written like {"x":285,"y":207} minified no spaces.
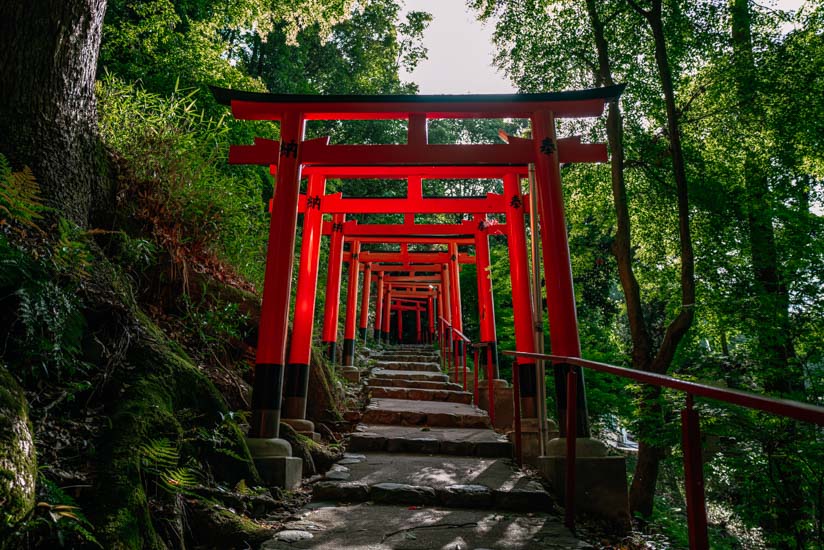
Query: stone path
{"x":424,"y":470}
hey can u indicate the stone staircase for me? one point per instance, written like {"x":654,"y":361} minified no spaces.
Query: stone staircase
{"x":424,"y":469}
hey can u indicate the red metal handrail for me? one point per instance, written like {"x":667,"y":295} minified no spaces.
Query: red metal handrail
{"x":690,"y":428}
{"x":490,"y":378}
{"x":461,"y":351}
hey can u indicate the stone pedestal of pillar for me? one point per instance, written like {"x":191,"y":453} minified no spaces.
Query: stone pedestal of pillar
{"x":304,"y":427}
{"x":600,"y":480}
{"x":504,"y":410}
{"x":350,"y":374}
{"x":530,"y":440}
{"x":275,"y":463}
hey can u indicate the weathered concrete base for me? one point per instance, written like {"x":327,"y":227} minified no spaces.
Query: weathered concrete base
{"x":275,"y":463}
{"x":350,"y":374}
{"x":504,"y":409}
{"x":600,"y":486}
{"x":584,"y":447}
{"x":304,"y":427}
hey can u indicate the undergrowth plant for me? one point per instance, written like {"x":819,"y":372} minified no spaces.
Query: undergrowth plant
{"x":205,"y":215}
{"x":56,"y":517}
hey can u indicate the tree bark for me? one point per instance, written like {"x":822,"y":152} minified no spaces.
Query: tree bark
{"x":642,"y":490}
{"x":772,"y":323}
{"x":48,"y":116}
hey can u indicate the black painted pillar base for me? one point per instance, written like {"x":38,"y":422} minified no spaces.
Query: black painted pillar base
{"x":348,"y":353}
{"x":529,"y":389}
{"x":295,"y":389}
{"x":331,"y":348}
{"x":362,"y":333}
{"x":266,"y":401}
{"x":581,"y":408}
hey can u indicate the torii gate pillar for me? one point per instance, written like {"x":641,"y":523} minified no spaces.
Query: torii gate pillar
{"x":351,"y":311}
{"x":273,"y":456}
{"x":387,"y":314}
{"x":364,"y":308}
{"x":563,"y":319}
{"x":486,"y":307}
{"x":521,"y":306}
{"x":296,"y":383}
{"x":331,"y":304}
{"x":379,"y":308}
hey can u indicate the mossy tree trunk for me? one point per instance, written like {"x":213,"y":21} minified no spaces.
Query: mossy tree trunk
{"x":18,"y":463}
{"x":48,"y":116}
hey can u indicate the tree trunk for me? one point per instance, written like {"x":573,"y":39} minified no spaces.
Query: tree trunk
{"x":621,"y":246}
{"x":48,"y":116}
{"x":772,"y":318}
{"x":642,"y":490}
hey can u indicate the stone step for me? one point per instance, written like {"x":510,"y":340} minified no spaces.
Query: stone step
{"x":408,"y":365}
{"x":418,"y":394}
{"x":444,"y":441}
{"x":453,"y":482}
{"x":405,"y":383}
{"x":381,"y":527}
{"x":408,"y":357}
{"x":402,"y":412}
{"x":409,"y":375}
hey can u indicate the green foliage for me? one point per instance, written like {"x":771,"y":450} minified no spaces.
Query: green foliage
{"x":43,"y":318}
{"x":57,"y":519}
{"x":198,"y":210}
{"x":212,"y":325}
{"x":160,"y":466}
{"x":20,"y":200}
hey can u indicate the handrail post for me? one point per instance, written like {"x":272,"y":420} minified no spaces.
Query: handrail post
{"x":571,"y":440}
{"x":463,"y":360}
{"x":475,"y":385}
{"x":694,"y":476}
{"x":516,"y":396}
{"x":490,"y":379}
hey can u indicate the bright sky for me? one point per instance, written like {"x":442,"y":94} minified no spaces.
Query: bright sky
{"x":460,"y":50}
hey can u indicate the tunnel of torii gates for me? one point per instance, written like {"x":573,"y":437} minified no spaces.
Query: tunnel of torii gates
{"x":281,"y":374}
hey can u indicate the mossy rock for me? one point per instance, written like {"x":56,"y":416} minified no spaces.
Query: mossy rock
{"x":317,"y":458}
{"x":18,"y":462}
{"x":212,"y":526}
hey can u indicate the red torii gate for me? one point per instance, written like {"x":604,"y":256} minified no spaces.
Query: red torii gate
{"x":287,"y":158}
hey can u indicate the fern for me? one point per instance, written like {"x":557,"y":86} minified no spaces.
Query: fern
{"x":71,"y":253}
{"x":160,"y":458}
{"x":158,"y":454}
{"x":19,"y":196}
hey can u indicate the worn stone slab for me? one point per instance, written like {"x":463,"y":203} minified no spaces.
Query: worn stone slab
{"x":505,"y":486}
{"x":409,"y":375}
{"x":406,"y":383}
{"x":349,"y":491}
{"x":419,"y":445}
{"x":381,"y":527}
{"x":408,"y":366}
{"x":408,"y":357}
{"x":466,"y":496}
{"x":401,"y":493}
{"x":410,"y":439}
{"x":403,"y":412}
{"x":418,"y":394}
